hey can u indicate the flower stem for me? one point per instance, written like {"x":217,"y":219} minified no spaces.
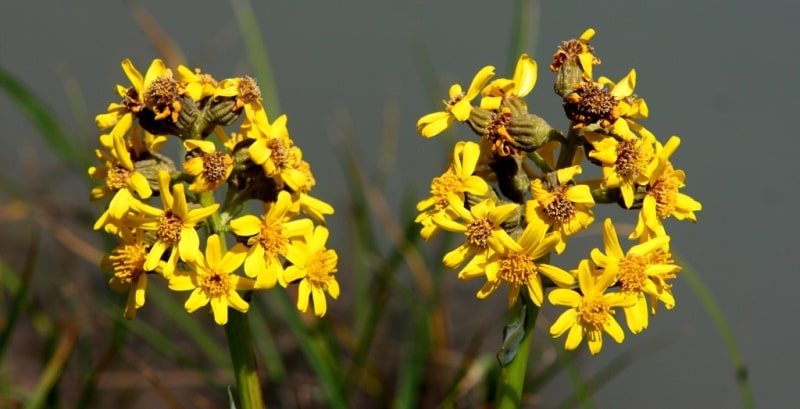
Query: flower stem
{"x":512,"y":375}
{"x":237,"y":330}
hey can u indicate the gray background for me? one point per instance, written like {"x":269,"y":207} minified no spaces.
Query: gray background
{"x":722,"y":75}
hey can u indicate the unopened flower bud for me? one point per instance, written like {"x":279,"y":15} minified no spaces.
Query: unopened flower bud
{"x":479,"y":119}
{"x":569,"y":74}
{"x":511,"y":177}
{"x":150,"y":163}
{"x":530,"y":132}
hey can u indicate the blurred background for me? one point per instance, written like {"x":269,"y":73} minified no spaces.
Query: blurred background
{"x":357,"y":74}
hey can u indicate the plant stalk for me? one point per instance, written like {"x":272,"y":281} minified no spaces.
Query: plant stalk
{"x":512,"y":376}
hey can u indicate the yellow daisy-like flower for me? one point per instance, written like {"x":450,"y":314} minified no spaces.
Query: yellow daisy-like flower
{"x":637,"y":274}
{"x":280,"y":158}
{"x":248,"y":96}
{"x":663,"y":198}
{"x":591,"y":310}
{"x":515,"y":263}
{"x":122,"y":180}
{"x":156,"y":90}
{"x":565,"y":206}
{"x":628,"y":104}
{"x":458,"y":179}
{"x":198,"y":85}
{"x":268,"y":238}
{"x":210,"y":168}
{"x":211,"y":280}
{"x":577,"y":50}
{"x":457,"y":108}
{"x":481,"y":225}
{"x":625,"y":158}
{"x":174,"y":225}
{"x":519,"y":86}
{"x":304,"y":203}
{"x":314,"y":265}
{"x":126,"y":263}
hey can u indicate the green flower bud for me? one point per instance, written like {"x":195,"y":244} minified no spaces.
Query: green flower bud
{"x":150,"y":163}
{"x":569,"y":74}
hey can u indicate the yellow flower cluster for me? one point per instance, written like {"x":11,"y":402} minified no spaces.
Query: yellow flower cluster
{"x":516,"y":196}
{"x":162,"y":237}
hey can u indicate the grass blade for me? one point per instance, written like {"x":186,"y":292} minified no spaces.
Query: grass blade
{"x":51,"y":131}
{"x":711,"y":306}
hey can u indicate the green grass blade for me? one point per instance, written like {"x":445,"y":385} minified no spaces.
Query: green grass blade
{"x":524,"y":30}
{"x":257,"y":54}
{"x":198,"y":333}
{"x":53,"y":370}
{"x":20,"y":293}
{"x":712,"y":307}
{"x":615,"y":367}
{"x":317,"y":349}
{"x":59,"y":142}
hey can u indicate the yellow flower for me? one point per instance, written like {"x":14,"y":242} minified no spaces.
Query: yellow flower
{"x":198,"y":86}
{"x":126,"y":263}
{"x":482,"y":227}
{"x":565,"y":206}
{"x":156,"y":91}
{"x":515,"y":263}
{"x":577,"y":50}
{"x":315,"y":266}
{"x":268,"y":238}
{"x":174,"y":225}
{"x":519,"y":86}
{"x":248,"y":96}
{"x":122,"y":180}
{"x":663,"y":198}
{"x":591,"y":310}
{"x":458,"y":179}
{"x":276,"y":153}
{"x":211,"y":280}
{"x":457,"y":108}
{"x":638,"y":272}
{"x":628,"y":104}
{"x":625,"y":158}
{"x":210,"y":168}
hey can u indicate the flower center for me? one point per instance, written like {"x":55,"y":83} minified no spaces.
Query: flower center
{"x":456,"y":99}
{"x":479,"y":231}
{"x":442,"y":185}
{"x":632,"y":274}
{"x":249,"y":90}
{"x":321,"y":266}
{"x":163,"y":97}
{"x":628,"y":159}
{"x":516,"y":268}
{"x":169,"y":227}
{"x":128,"y":262}
{"x":590,"y":103}
{"x":117,"y":177}
{"x":593,"y":313}
{"x":271,"y":238}
{"x":215,"y":284}
{"x":665,"y":191}
{"x":558,"y":208}
{"x":497,"y":133}
{"x":217,"y":167}
{"x":280,"y":152}
{"x":131,"y":101}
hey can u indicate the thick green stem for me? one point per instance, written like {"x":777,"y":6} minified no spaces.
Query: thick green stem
{"x":512,"y":375}
{"x":240,"y":340}
{"x":237,"y":330}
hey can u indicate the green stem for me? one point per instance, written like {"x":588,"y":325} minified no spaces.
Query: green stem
{"x":512,"y":375}
{"x":237,"y":331}
{"x":240,"y":340}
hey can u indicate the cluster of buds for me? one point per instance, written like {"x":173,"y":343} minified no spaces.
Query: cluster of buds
{"x":158,"y":211}
{"x":516,"y":198}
